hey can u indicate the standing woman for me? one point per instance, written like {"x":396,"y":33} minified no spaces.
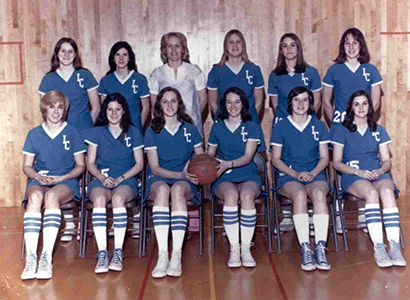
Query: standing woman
{"x":53,"y":159}
{"x":115,"y":157}
{"x":300,"y":153}
{"x":179,"y":73}
{"x":350,"y":73}
{"x":235,"y":69}
{"x":77,"y":83}
{"x":361,"y":153}
{"x":291,"y":71}
{"x":234,"y":139}
{"x":123,"y":78}
{"x":170,"y":142}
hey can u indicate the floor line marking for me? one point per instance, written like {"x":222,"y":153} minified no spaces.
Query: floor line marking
{"x":276,"y":273}
{"x":147,"y":272}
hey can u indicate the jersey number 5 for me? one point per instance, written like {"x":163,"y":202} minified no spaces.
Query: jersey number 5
{"x":353,"y":164}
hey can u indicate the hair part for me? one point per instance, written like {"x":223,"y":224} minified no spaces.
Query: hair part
{"x":225,"y":54}
{"x":349,"y":121}
{"x":158,"y":122}
{"x":296,"y":91}
{"x":184,"y":43}
{"x":51,"y":97}
{"x":364,"y":55}
{"x":281,"y":67}
{"x":55,"y":61}
{"x":223,"y":112}
{"x":132,"y":65}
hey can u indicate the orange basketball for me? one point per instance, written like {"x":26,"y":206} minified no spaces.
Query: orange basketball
{"x":204,"y":166}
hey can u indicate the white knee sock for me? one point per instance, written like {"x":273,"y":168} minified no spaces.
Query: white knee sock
{"x":302,"y":227}
{"x":321,"y":223}
{"x":32,"y":226}
{"x":248,"y":222}
{"x":51,"y":224}
{"x":179,"y":220}
{"x":120,"y":226}
{"x":392,"y":223}
{"x":160,"y":215}
{"x":231,"y":223}
{"x":99,"y":219}
{"x":374,"y":223}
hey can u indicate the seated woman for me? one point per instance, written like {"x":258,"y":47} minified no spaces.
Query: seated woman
{"x":361,"y":153}
{"x":115,"y":157}
{"x":170,"y":142}
{"x":53,"y":159}
{"x":235,"y":138}
{"x":300,"y":153}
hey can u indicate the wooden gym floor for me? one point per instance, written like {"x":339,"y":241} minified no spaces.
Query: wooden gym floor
{"x":354,"y":274}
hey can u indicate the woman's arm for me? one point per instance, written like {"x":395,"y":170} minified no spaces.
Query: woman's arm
{"x":327,"y":102}
{"x":258,"y":95}
{"x":152,"y":98}
{"x":74,"y":173}
{"x":317,"y":96}
{"x":92,"y":168}
{"x":145,"y":105}
{"x":29,"y":171}
{"x":157,"y":170}
{"x":384,"y":152}
{"x":279,"y":164}
{"x":323,"y":160}
{"x":137,"y":168}
{"x":203,"y":99}
{"x":95,"y":103}
{"x":273,"y":100}
{"x":213,"y":101}
{"x":376,"y":93}
{"x":102,"y":98}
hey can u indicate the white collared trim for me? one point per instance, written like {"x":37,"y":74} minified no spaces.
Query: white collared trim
{"x":297,"y":126}
{"x":336,"y":143}
{"x":259,"y":87}
{"x":362,"y":133}
{"x":151,"y":148}
{"x":255,"y":140}
{"x":351,"y":68}
{"x":91,"y":143}
{"x":135,"y":148}
{"x":80,"y":152}
{"x":145,"y":96}
{"x":325,"y":142}
{"x":388,"y":142}
{"x":114,"y":135}
{"x":173,"y":132}
{"x":276,"y":144}
{"x":41,"y":93}
{"x":122,"y":81}
{"x":55,"y":134}
{"x":326,"y":84}
{"x":211,"y":88}
{"x":232,"y":129}
{"x":213,"y":145}
{"x":239,"y":68}
{"x":272,"y":95}
{"x":319,"y":89}
{"x":64,"y":78}
{"x":105,"y":95}
{"x":377,"y":83}
{"x":198,"y":145}
{"x":93,"y":88}
{"x":28,"y":153}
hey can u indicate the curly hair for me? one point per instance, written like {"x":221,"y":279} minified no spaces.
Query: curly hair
{"x":281,"y":67}
{"x":158,"y":122}
{"x":132,"y":65}
{"x":184,"y":43}
{"x":349,"y":121}
{"x":297,"y":91}
{"x":364,"y":55}
{"x":223,"y":112}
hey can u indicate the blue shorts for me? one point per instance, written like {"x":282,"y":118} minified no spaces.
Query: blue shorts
{"x":72,"y":184}
{"x":236,"y":177}
{"x":131,"y":182}
{"x":151,"y":179}
{"x":286,"y":178}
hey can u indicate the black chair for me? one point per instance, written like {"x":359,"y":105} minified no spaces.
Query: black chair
{"x":146,"y":223}
{"x":263,"y":200}
{"x":88,"y":207}
{"x":279,"y":200}
{"x":69,"y":206}
{"x":343,"y":211}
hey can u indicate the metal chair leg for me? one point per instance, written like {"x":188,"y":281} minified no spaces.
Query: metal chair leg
{"x":213,"y":225}
{"x":201,"y":229}
{"x":342,"y":220}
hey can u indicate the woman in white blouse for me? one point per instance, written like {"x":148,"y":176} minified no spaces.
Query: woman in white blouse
{"x":179,"y":73}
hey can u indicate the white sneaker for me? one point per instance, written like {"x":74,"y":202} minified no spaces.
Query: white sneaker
{"x":235,"y":257}
{"x":45,"y":267}
{"x":362,"y":225}
{"x":175,"y":265}
{"x":395,"y":254}
{"x":246,"y":255}
{"x":286,"y":225}
{"x":381,"y":257}
{"x":30,"y":271}
{"x":102,"y":262}
{"x":160,"y":269}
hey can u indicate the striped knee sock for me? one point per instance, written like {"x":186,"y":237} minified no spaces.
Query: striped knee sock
{"x":392,"y":223}
{"x":179,"y":220}
{"x":374,"y":222}
{"x":99,"y":219}
{"x":302,"y":227}
{"x":32,"y":226}
{"x":231,"y":223}
{"x":51,"y":224}
{"x":120,"y":226}
{"x":248,"y":222}
{"x":160,"y":215}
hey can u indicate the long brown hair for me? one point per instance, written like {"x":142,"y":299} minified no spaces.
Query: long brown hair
{"x":364,"y":55}
{"x":281,"y":68}
{"x":55,"y":62}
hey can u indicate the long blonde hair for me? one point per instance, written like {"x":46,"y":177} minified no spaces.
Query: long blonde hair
{"x":225,"y":55}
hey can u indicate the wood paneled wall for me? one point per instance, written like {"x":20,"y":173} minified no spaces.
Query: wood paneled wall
{"x":96,"y":25}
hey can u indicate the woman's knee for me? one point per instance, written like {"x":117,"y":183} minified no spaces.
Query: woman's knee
{"x":51,"y":199}
{"x":231,"y":197}
{"x":99,"y":201}
{"x":35,"y":199}
{"x":372,"y":196}
{"x":118,"y":201}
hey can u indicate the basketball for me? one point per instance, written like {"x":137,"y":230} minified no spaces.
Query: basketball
{"x":204,"y":166}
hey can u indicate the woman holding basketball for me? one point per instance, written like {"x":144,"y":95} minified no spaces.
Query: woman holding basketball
{"x":235,"y":69}
{"x":115,"y":157}
{"x":361,"y":153}
{"x":170,"y":142}
{"x":234,"y":139}
{"x":300,"y":153}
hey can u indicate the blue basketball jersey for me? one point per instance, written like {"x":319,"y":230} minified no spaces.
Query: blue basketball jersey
{"x":54,"y":152}
{"x":345,"y":82}
{"x":75,"y":89}
{"x":175,"y":148}
{"x":248,"y":78}
{"x":300,"y":144}
{"x":280,"y":86}
{"x":114,"y":155}
{"x":360,"y":151}
{"x":133,"y":88}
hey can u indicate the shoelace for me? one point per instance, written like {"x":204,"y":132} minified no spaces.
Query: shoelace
{"x":380,"y":251}
{"x":117,"y":257}
{"x":320,"y":250}
{"x":43,"y":261}
{"x":102,"y":257}
{"x":31,"y":263}
{"x":307,"y":254}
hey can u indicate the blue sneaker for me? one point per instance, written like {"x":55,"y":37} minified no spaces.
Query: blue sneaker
{"x":102,"y":263}
{"x":320,"y":256}
{"x":116,"y":260}
{"x":308,"y":261}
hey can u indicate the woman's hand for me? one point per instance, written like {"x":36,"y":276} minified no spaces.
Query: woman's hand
{"x":188,"y":176}
{"x":366,"y":174}
{"x":55,"y":179}
{"x":304,"y":176}
{"x":44,"y":180}
{"x":223,"y":166}
{"x":377,"y":173}
{"x":118,"y":180}
{"x":108,"y":182}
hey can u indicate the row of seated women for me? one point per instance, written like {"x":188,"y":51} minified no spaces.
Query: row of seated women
{"x":54,"y":158}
